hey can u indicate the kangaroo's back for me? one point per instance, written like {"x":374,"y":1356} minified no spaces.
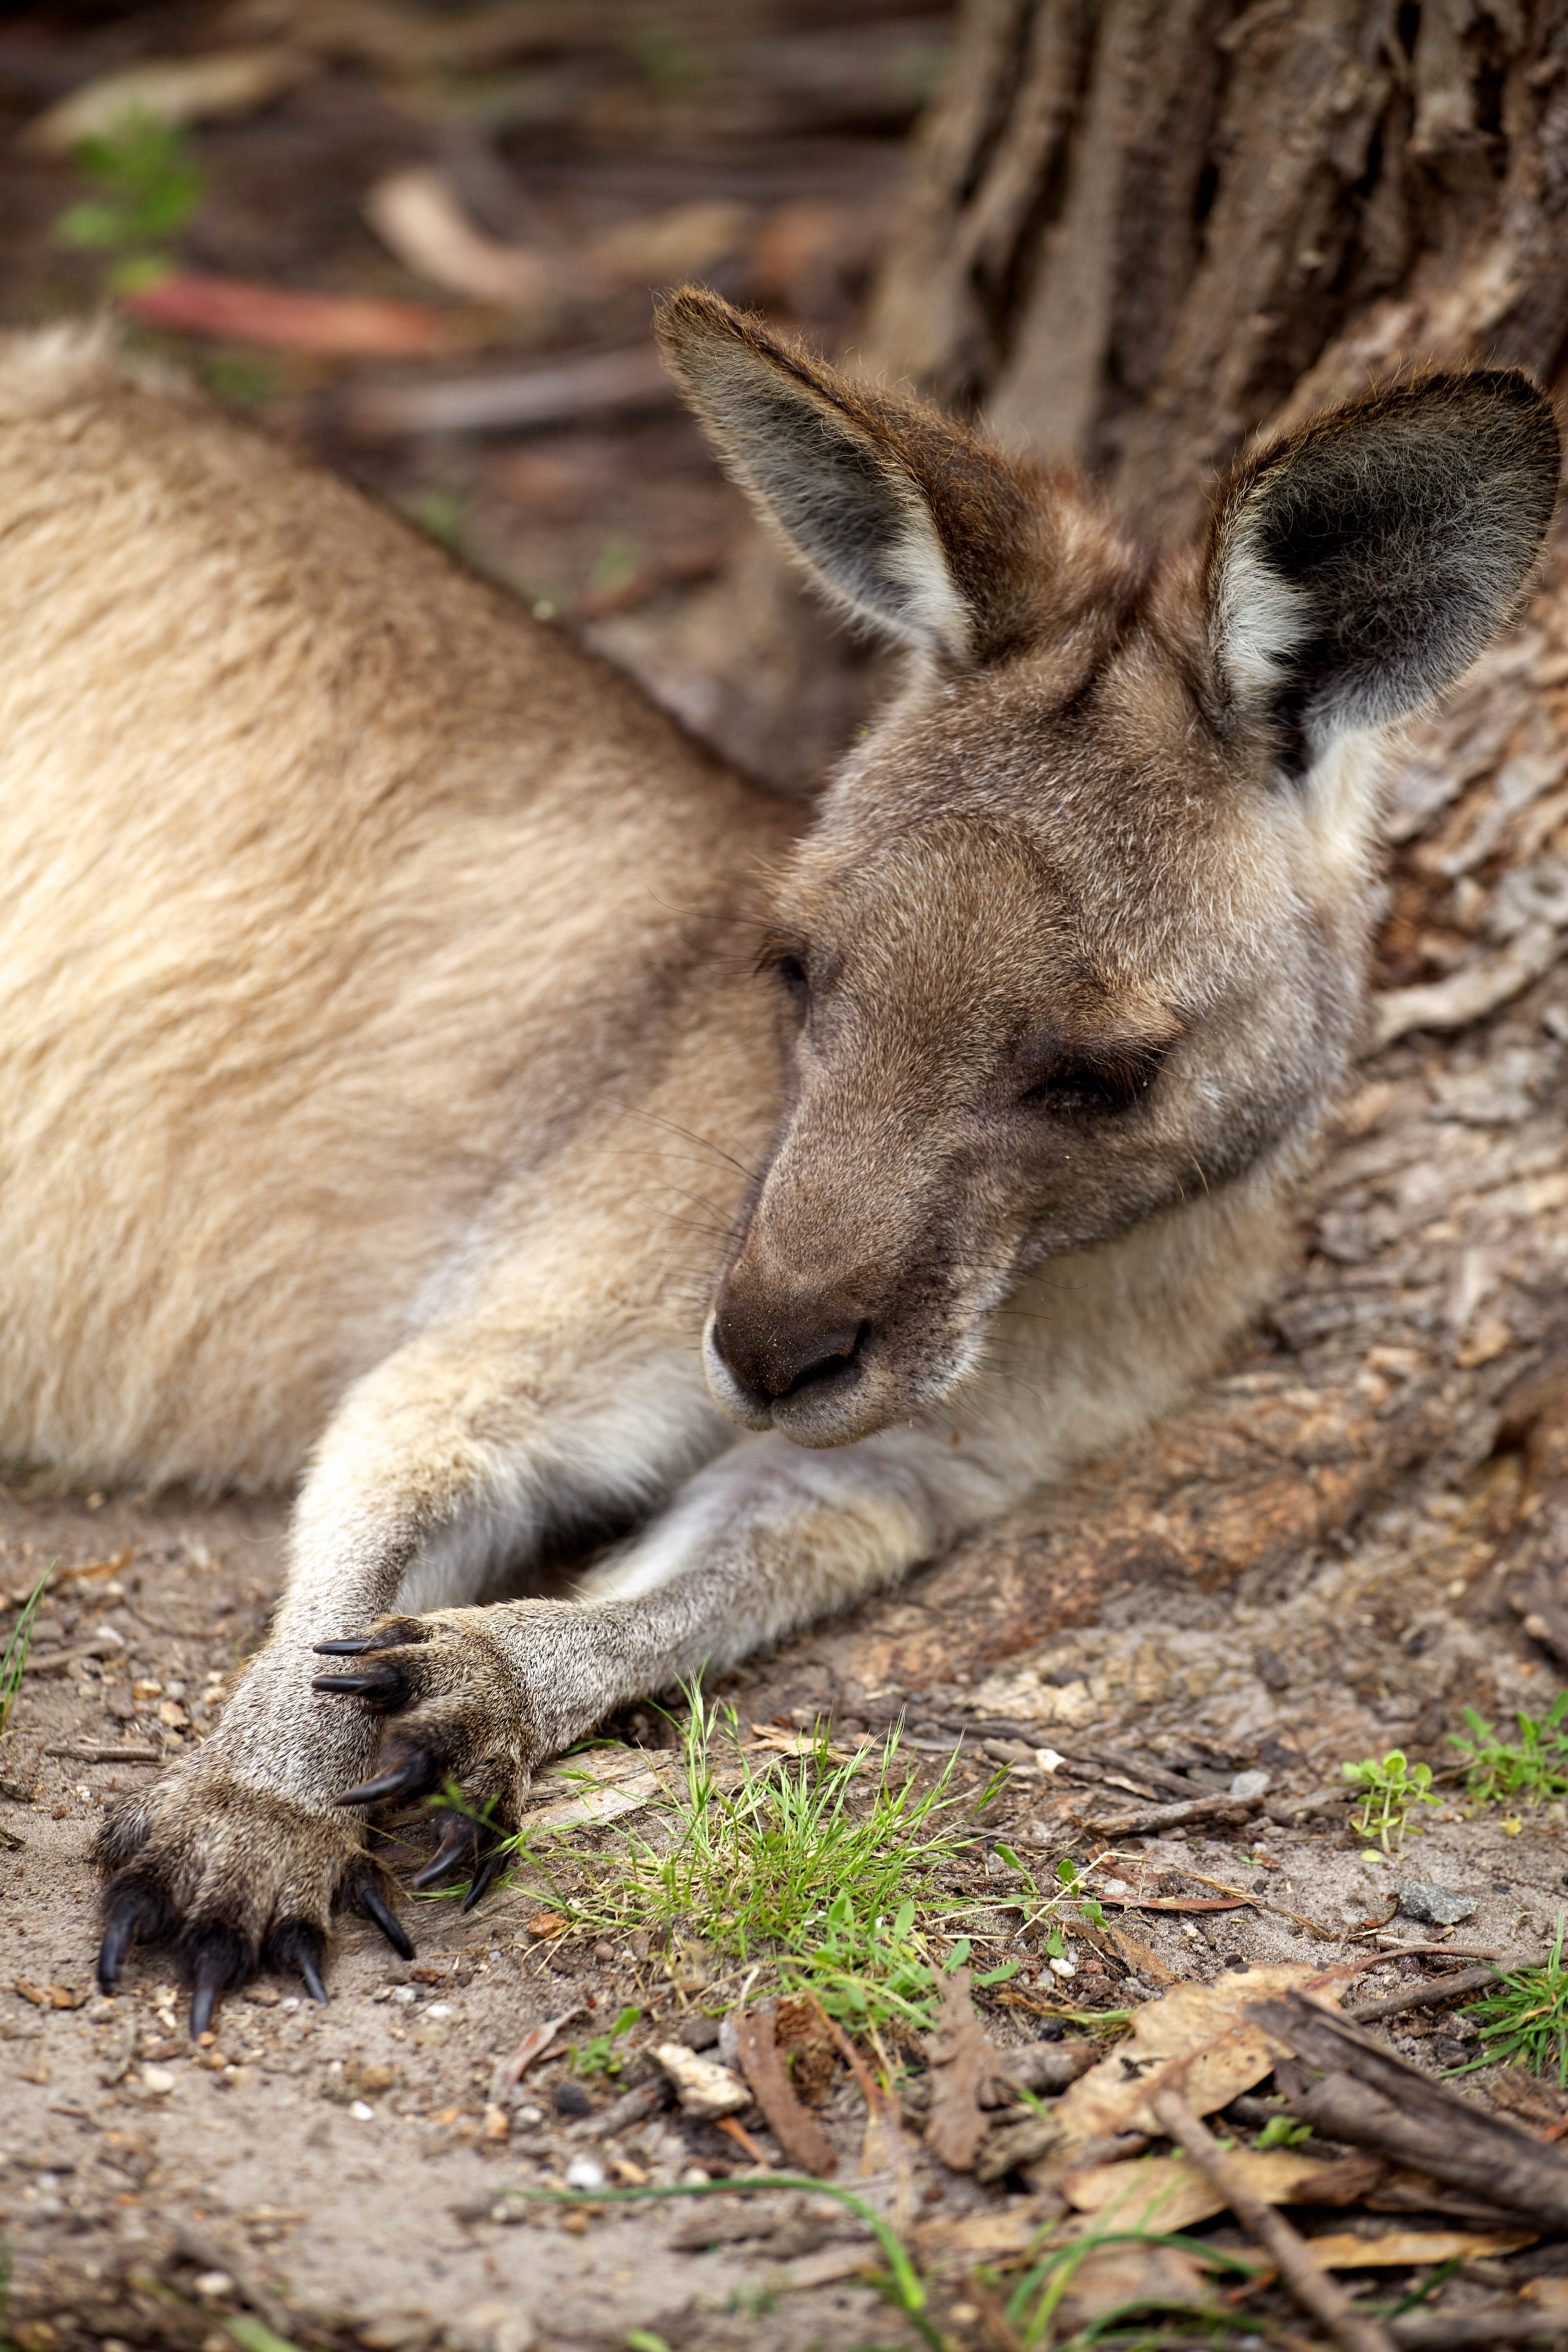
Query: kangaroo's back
{"x":323,"y":869}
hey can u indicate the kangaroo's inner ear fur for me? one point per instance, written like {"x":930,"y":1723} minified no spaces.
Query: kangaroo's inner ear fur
{"x":903,"y":517}
{"x":1361,"y":565}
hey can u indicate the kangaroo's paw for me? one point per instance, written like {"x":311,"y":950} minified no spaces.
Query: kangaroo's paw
{"x":459,"y":1727}
{"x":231,"y":1877}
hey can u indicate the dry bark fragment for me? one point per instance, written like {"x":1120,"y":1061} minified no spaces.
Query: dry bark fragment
{"x":798,"y":2133}
{"x":1349,"y":2087}
{"x":963,"y":2065}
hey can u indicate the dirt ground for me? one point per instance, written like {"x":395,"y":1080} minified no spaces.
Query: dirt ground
{"x":340,"y":2175}
{"x":334,"y":2170}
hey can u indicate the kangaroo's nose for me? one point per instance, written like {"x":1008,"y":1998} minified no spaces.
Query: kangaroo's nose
{"x":779,"y":1354}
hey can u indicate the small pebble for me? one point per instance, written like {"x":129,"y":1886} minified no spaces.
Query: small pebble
{"x":583,"y":2173}
{"x":1248,"y":1785}
{"x":361,"y":2112}
{"x":158,"y":2080}
{"x":1433,"y":1905}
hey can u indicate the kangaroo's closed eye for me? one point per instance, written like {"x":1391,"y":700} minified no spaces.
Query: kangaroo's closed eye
{"x":789,"y":968}
{"x":1071,"y":1082}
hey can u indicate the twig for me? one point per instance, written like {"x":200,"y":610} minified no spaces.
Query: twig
{"x":631,"y":2107}
{"x":108,"y":1755}
{"x":1425,"y":1995}
{"x":207,"y":2254}
{"x":596,"y":383}
{"x":1225,"y":1811}
{"x":1319,"y":2294}
{"x":1462,"y":2331}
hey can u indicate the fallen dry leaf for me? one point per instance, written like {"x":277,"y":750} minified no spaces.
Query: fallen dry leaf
{"x":1345,"y":2250}
{"x":962,"y":2066}
{"x":683,"y":242}
{"x":169,"y":90}
{"x":1170,"y":2193}
{"x":233,"y":309}
{"x":1114,"y":2277}
{"x":1197,"y":2028}
{"x":1141,"y":1959}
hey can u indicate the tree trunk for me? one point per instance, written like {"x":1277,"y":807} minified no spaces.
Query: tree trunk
{"x":1138,"y":232}
{"x":1143,"y":228}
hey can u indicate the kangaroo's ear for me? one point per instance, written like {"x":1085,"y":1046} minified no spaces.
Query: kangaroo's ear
{"x":902,"y":516}
{"x":1360,"y":565}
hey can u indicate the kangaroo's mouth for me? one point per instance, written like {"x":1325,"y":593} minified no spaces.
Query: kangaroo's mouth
{"x":835,"y":1399}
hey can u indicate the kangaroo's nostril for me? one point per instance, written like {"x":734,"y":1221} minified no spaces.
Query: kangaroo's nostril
{"x":775,"y":1356}
{"x":829,"y":1355}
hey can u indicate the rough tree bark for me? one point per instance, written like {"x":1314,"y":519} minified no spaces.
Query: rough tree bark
{"x":1139,"y":231}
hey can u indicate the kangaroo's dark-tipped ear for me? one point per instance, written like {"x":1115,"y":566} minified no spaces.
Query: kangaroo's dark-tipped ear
{"x":1360,"y":565}
{"x":902,"y":516}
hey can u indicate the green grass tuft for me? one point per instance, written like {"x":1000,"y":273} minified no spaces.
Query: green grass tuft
{"x":823,"y":1876}
{"x":1524,"y":2022}
{"x":1530,"y":1769}
{"x":146,"y":189}
{"x":13,"y":1660}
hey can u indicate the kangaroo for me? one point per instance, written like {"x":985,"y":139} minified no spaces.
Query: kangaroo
{"x":644,"y":1214}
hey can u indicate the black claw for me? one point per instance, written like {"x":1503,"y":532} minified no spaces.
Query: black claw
{"x":297,"y":1946}
{"x":131,"y":1909}
{"x":216,"y":1960}
{"x":383,"y":1685}
{"x":458,"y":1841}
{"x":344,"y":1649}
{"x":375,"y":1906}
{"x":416,"y":1776}
{"x":482,"y":1877}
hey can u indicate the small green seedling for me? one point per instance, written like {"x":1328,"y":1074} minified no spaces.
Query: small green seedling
{"x":1525,"y":2021}
{"x":604,"y":2054}
{"x":146,"y":189}
{"x":1283,"y":2131}
{"x":1390,"y":1787}
{"x":13,"y":1660}
{"x":1532,"y":1769}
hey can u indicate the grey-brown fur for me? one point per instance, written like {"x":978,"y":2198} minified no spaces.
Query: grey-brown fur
{"x":423,"y":1068}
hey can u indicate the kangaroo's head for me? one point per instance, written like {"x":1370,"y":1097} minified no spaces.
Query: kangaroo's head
{"x":1077,"y":933}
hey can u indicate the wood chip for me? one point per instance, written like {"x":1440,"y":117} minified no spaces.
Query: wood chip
{"x":702,"y":2085}
{"x":508,"y":2072}
{"x":595,"y":383}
